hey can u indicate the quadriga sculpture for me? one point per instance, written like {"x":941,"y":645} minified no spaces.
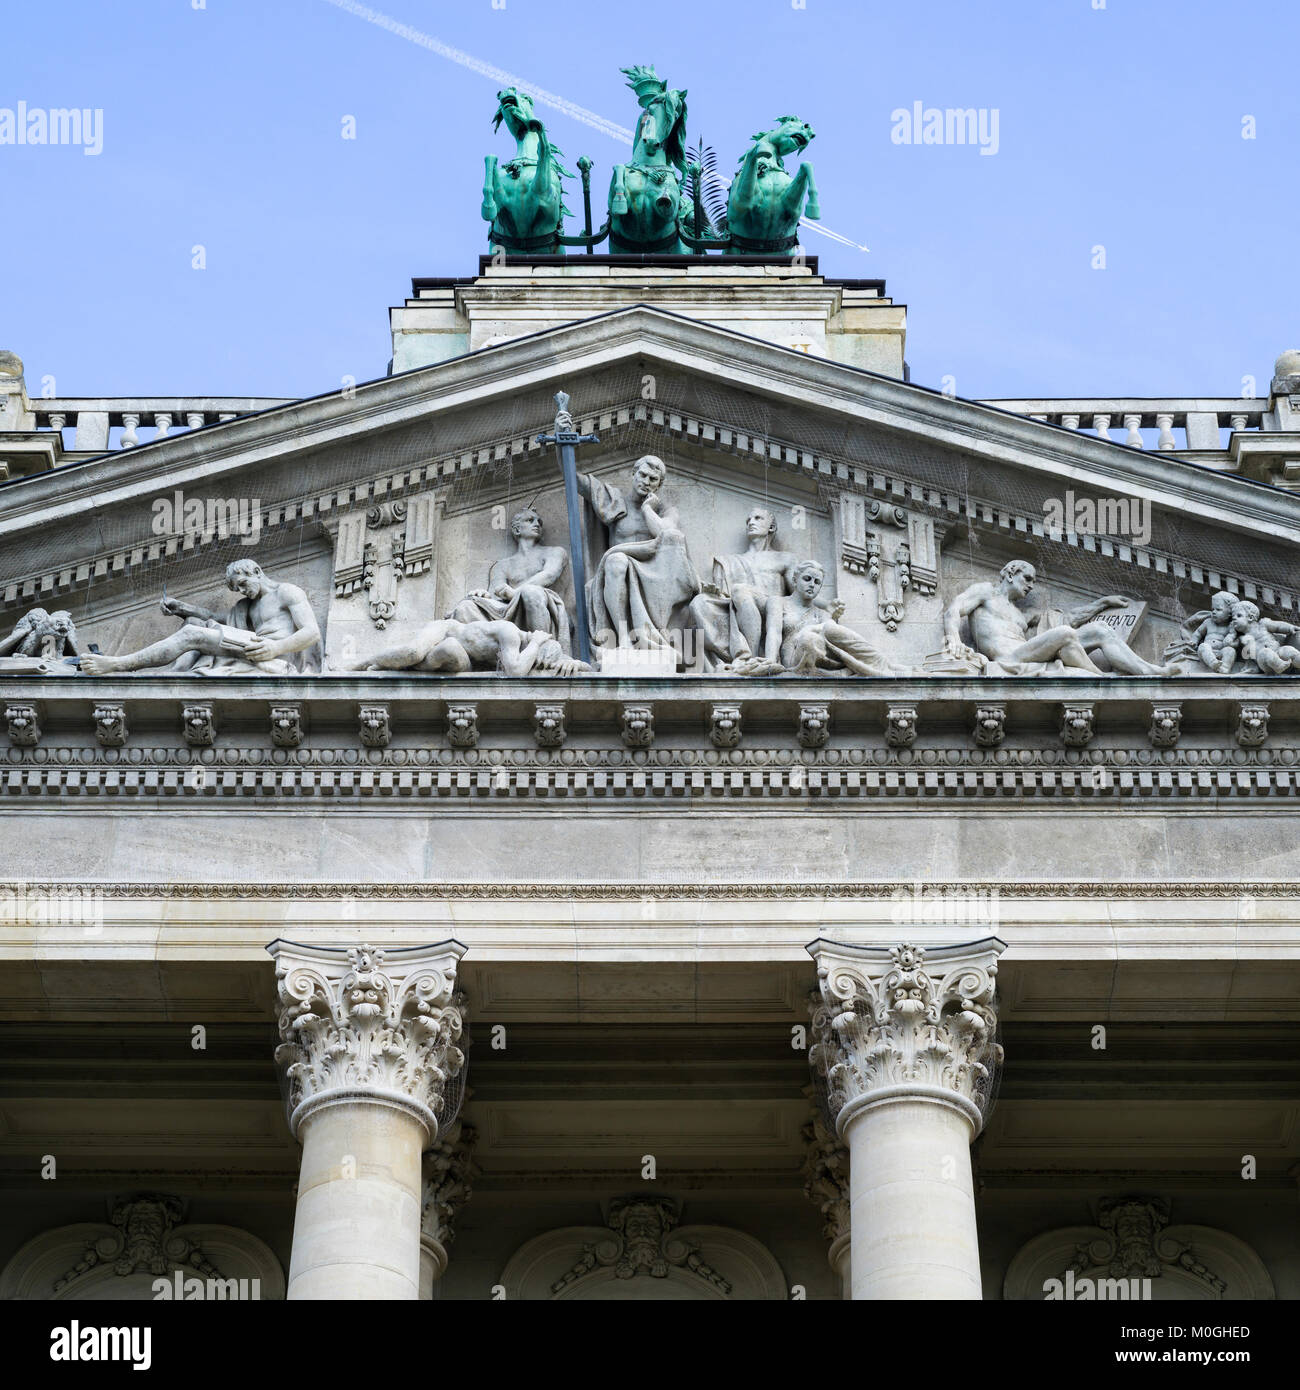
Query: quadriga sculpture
{"x":765,"y":202}
{"x":523,"y":199}
{"x":645,"y":194}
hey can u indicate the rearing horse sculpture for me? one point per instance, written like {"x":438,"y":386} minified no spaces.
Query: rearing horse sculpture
{"x":526,"y":206}
{"x":645,"y":195}
{"x":765,"y":203}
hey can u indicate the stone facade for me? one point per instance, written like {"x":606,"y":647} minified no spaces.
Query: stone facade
{"x":901,"y":902}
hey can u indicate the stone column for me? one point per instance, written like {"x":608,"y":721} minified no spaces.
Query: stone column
{"x":368,"y":1044}
{"x":449,"y":1176}
{"x":904,"y":1039}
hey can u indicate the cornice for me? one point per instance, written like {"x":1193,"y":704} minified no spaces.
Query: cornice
{"x":808,"y":892}
{"x":749,"y":364}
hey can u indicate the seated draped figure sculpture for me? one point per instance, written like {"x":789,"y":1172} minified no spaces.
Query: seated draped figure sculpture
{"x":802,"y":636}
{"x":526,"y":594}
{"x":729,"y":611}
{"x":645,"y":575}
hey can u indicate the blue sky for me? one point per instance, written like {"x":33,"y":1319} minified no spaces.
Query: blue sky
{"x":1119,"y":127}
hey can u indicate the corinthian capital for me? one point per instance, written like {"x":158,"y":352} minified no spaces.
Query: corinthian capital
{"x":901,"y":1022}
{"x":362,"y":1024}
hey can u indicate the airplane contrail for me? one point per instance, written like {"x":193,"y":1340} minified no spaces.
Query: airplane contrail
{"x":552,"y":99}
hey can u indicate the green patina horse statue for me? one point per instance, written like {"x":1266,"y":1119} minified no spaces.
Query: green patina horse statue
{"x":765,"y":203}
{"x":523,"y":199}
{"x":645,"y":194}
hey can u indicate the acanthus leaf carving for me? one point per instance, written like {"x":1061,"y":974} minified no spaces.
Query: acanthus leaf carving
{"x":24,"y":725}
{"x":374,"y":727}
{"x":638,"y":726}
{"x":110,"y":725}
{"x":814,"y":728}
{"x":350,"y":1026}
{"x":884,"y":1024}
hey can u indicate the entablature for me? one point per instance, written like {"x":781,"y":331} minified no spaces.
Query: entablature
{"x":412,"y":738}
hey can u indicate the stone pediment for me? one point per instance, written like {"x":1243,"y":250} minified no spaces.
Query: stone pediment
{"x":389,"y":503}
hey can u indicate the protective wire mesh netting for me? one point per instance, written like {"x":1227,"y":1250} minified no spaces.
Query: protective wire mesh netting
{"x":985,"y":1095}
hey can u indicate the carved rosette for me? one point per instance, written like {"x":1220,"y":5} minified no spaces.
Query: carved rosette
{"x":361,"y":1024}
{"x":905,"y":1023}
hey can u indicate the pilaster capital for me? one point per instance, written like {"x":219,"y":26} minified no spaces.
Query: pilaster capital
{"x":905,"y":1022}
{"x":826,"y":1177}
{"x":449,"y":1176}
{"x":367,"y":1025}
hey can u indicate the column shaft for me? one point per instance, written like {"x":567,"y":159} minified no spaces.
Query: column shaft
{"x":912,"y":1207}
{"x":356,"y":1232}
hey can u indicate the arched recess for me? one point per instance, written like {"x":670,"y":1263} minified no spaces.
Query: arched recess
{"x":1182,"y":1262}
{"x":121,"y":1259}
{"x":643,"y":1254}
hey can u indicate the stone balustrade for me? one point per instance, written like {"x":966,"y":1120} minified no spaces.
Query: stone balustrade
{"x":1173,"y":424}
{"x":93,"y":420}
{"x":1179,"y":423}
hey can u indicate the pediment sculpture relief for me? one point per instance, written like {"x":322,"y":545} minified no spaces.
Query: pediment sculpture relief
{"x":1231,"y":637}
{"x":525,"y":593}
{"x":1007,"y":639}
{"x":768,"y":607}
{"x":270,"y":631}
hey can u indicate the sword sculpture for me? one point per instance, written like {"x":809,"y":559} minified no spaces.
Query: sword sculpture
{"x":566,"y":439}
